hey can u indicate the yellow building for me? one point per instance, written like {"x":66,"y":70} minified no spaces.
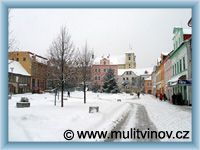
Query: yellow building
{"x":35,"y":65}
{"x":128,"y":62}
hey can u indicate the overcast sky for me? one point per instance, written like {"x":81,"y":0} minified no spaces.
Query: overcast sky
{"x":107,"y":31}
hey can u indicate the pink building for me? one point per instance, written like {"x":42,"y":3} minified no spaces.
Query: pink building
{"x":99,"y":69}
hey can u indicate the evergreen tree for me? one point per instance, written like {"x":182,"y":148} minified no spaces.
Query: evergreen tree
{"x":110,"y":85}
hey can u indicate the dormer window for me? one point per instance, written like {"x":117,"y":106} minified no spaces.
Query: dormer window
{"x":146,"y":72}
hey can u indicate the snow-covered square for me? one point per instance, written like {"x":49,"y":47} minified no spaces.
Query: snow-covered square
{"x":43,"y":121}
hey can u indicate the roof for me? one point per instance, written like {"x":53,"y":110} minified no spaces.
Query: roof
{"x":119,"y":59}
{"x":187,"y":31}
{"x":16,"y":68}
{"x":190,"y":22}
{"x":165,"y":53}
{"x":158,"y":59}
{"x":149,"y":78}
{"x":138,"y":72}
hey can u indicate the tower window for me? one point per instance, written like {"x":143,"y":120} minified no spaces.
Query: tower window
{"x":129,"y":58}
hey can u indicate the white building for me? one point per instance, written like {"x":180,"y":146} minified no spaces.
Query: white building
{"x":132,"y":80}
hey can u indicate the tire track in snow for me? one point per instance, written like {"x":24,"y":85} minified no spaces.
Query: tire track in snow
{"x":24,"y":132}
{"x":137,"y":118}
{"x":143,"y":123}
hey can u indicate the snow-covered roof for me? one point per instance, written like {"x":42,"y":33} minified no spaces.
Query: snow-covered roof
{"x":149,"y":78}
{"x":16,"y":68}
{"x":165,"y":53}
{"x":187,"y":31}
{"x":119,"y":59}
{"x":158,"y":59}
{"x":138,"y":72}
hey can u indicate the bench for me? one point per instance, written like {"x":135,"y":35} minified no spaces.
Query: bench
{"x":119,"y":100}
{"x":24,"y":102}
{"x":93,"y":109}
{"x":64,"y":98}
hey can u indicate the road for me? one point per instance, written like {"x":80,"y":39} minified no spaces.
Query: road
{"x":137,"y":118}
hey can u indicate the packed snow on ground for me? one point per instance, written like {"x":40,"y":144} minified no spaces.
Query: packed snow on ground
{"x":168,"y":117}
{"x":45,"y":122}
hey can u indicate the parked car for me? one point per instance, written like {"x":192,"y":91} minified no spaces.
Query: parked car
{"x":37,"y":90}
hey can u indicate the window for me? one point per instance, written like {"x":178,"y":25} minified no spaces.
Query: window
{"x":99,"y":77}
{"x":127,"y":78}
{"x":104,"y":62}
{"x":123,"y":78}
{"x":180,"y":65}
{"x":104,"y":70}
{"x":177,"y":66}
{"x":183,"y":63}
{"x":129,"y":65}
{"x":129,"y":58}
{"x":95,"y":78}
{"x":175,"y":69}
{"x":99,"y":70}
{"x":24,"y":59}
{"x":95,"y":70}
{"x":17,"y":59}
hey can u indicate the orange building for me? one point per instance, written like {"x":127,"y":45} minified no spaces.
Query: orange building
{"x":35,"y":65}
{"x":148,"y":85}
{"x":160,"y":74}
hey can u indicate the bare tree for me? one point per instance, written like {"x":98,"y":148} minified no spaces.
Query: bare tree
{"x":11,"y":38}
{"x":61,"y":54}
{"x":85,"y":61}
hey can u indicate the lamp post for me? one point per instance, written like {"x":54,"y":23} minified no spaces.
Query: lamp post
{"x":11,"y":92}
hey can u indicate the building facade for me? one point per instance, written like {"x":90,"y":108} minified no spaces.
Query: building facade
{"x":35,"y":65}
{"x":148,"y":85}
{"x":180,"y":81}
{"x":98,"y":72}
{"x":153,"y":78}
{"x":133,"y":80}
{"x":167,"y":76}
{"x":130,"y":61}
{"x":18,"y":78}
{"x":158,"y":77}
